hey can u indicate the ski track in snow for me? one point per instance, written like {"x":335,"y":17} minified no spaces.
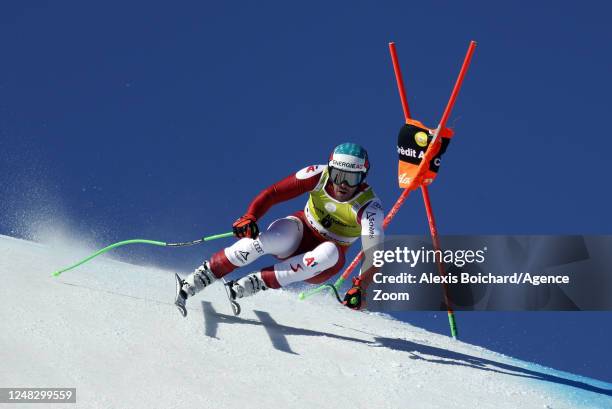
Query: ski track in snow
{"x":110,"y":329}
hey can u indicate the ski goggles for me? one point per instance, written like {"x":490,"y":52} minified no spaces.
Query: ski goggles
{"x":339,"y":177}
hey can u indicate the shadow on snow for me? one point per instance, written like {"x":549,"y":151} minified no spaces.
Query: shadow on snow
{"x":278,"y":336}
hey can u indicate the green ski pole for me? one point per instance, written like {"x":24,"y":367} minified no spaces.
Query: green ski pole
{"x":142,"y":241}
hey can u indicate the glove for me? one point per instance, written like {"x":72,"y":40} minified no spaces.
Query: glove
{"x":246,"y":226}
{"x":355,"y":296}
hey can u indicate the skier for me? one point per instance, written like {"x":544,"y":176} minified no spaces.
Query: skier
{"x":310,"y":244}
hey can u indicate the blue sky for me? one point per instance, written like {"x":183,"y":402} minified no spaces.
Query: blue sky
{"x":162,"y":121}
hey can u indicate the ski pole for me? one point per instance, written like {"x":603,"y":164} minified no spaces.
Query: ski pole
{"x":142,"y":241}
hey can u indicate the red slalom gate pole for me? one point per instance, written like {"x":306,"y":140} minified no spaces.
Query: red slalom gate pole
{"x":430,"y":217}
{"x":441,"y":269}
{"x":447,"y":111}
{"x":400,"y":201}
{"x":451,"y":102}
{"x":399,"y":79}
{"x":432,"y":150}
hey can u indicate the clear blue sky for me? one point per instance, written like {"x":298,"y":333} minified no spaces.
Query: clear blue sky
{"x":163,"y":120}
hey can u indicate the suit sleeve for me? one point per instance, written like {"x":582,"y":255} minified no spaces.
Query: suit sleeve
{"x":290,"y":187}
{"x":372,"y":237}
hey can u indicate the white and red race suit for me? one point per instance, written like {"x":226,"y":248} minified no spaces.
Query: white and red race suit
{"x":311,"y":243}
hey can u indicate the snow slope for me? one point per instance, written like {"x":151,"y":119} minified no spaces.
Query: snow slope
{"x":110,"y":330}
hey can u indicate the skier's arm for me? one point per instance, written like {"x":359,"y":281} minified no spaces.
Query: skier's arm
{"x":291,"y":187}
{"x":372,"y":239}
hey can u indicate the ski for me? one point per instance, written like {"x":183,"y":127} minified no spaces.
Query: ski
{"x":231,"y":296}
{"x":179,"y":299}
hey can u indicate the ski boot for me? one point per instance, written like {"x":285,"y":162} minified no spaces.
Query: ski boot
{"x":201,"y":278}
{"x":246,"y":286}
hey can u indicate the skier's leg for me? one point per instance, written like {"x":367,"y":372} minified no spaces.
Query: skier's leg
{"x":281,"y":238}
{"x":201,"y":278}
{"x":304,"y":266}
{"x":326,"y":258}
{"x":325,"y":275}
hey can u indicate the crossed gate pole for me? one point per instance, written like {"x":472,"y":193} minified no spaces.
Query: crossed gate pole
{"x":432,"y":150}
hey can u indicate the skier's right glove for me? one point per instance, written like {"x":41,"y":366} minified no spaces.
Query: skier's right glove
{"x":355,"y":296}
{"x":246,"y":226}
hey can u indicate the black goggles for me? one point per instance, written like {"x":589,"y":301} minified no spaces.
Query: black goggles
{"x":339,"y":177}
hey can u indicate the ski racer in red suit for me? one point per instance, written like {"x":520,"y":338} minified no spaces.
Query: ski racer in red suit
{"x":310,"y":244}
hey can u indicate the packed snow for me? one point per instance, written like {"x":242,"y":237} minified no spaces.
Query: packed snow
{"x":110,"y":329}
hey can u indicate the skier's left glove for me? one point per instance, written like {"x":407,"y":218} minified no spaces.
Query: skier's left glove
{"x":355,"y":296}
{"x":246,"y":226}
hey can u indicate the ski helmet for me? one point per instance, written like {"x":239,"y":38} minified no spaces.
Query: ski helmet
{"x":349,"y":163}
